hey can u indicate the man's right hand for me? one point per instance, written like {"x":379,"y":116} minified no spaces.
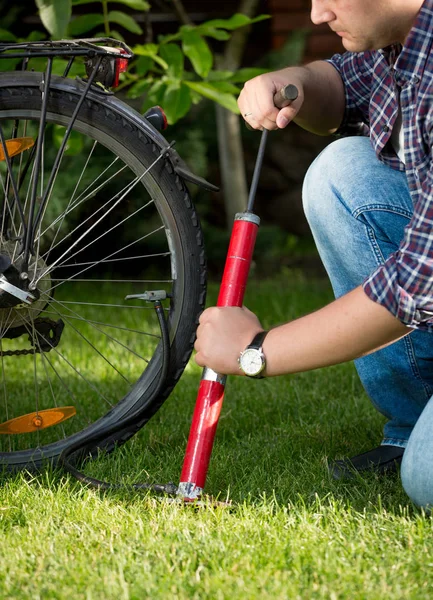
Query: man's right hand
{"x":319,"y":106}
{"x":257,"y":100}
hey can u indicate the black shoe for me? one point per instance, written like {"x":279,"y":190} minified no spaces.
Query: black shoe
{"x":381,"y":460}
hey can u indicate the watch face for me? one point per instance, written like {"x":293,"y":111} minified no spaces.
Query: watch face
{"x":251,"y":361}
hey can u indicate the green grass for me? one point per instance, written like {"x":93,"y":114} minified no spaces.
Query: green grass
{"x":291,"y":531}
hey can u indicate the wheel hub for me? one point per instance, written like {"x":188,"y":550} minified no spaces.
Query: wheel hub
{"x":18,"y":305}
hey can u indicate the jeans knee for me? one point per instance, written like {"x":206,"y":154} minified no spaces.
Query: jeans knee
{"x":326,"y":179}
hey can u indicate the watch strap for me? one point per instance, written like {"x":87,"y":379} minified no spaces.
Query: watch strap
{"x":258,"y":340}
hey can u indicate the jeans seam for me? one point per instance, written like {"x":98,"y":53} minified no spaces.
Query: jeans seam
{"x":370,"y":207}
{"x":414,"y":366}
{"x":380,"y":259}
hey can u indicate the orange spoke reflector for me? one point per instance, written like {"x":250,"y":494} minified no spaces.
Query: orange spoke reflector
{"x":36,"y":421}
{"x":16,"y":146}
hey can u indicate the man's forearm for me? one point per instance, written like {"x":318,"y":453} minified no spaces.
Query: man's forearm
{"x":348,"y":328}
{"x":323,"y":108}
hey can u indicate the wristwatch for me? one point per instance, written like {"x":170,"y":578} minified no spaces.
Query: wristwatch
{"x":252,"y":361}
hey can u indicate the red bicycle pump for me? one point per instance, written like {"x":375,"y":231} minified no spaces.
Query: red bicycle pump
{"x":211,"y":389}
{"x":212,"y":385}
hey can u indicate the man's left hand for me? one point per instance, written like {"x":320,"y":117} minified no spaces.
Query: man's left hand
{"x":222,"y":334}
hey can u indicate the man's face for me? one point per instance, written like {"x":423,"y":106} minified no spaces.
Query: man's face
{"x":367,"y":24}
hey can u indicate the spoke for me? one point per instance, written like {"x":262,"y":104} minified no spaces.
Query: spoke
{"x":96,"y":350}
{"x":86,"y":233}
{"x":44,"y":359}
{"x":93,"y":264}
{"x":103,"y":261}
{"x":65,"y":212}
{"x":63,"y":316}
{"x":35,"y":371}
{"x":26,"y":206}
{"x":80,"y":200}
{"x":101,"y":209}
{"x":89,"y":383}
{"x":101,"y":304}
{"x":82,"y":223}
{"x":110,"y":325}
{"x":138,"y":180}
{"x":97,"y":329}
{"x":11,"y":179}
{"x":5,"y":394}
{"x":5,"y":328}
{"x":112,"y":280}
{"x":63,"y":383}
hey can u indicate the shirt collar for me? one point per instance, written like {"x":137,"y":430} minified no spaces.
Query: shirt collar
{"x":410,"y":59}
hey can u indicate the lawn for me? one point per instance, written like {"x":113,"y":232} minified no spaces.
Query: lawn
{"x":290,"y":532}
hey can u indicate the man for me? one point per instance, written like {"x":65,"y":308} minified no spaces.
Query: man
{"x":369,"y":201}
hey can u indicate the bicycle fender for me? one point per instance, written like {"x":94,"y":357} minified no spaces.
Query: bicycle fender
{"x":75,"y":86}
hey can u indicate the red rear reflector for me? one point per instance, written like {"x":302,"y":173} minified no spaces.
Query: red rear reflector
{"x":120,"y":67}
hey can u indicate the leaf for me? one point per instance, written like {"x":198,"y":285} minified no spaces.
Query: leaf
{"x":198,"y":52}
{"x":236,"y":21}
{"x":172,"y":55}
{"x":115,"y":35}
{"x":208,"y":90}
{"x":220,"y":75}
{"x":135,"y":4}
{"x":121,"y":18}
{"x":243,"y":75}
{"x":227,"y":87}
{"x":149,"y":50}
{"x":55,"y":16}
{"x":146,"y":49}
{"x":85,"y":23}
{"x":155,"y":96}
{"x":139,"y":88}
{"x":152,"y":51}
{"x":7,"y":36}
{"x":176,"y":102}
{"x":143,"y":64}
{"x":212,"y":32}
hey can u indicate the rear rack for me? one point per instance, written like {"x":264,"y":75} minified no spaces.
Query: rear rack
{"x":83,"y":47}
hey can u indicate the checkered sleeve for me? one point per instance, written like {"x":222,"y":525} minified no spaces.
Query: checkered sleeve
{"x":355,"y":70}
{"x":404,"y":283}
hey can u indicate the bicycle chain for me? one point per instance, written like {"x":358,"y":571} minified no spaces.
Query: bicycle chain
{"x":56,"y":328}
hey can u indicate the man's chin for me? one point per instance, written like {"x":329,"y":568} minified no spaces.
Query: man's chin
{"x":354,"y":45}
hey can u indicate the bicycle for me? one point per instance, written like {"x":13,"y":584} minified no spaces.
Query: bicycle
{"x":93,"y":204}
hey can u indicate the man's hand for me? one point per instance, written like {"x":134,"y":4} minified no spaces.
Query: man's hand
{"x":256,"y":100}
{"x":222,"y":334}
{"x":319,"y":106}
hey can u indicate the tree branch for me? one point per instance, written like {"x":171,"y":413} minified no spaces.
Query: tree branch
{"x":236,"y":45}
{"x":181,"y":13}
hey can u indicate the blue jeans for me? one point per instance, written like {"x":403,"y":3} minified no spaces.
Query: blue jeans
{"x":357,"y":209}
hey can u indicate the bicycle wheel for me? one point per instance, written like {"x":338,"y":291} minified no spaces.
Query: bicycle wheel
{"x":118,"y":221}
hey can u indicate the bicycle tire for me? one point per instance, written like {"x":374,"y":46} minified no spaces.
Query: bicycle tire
{"x":118,"y":129}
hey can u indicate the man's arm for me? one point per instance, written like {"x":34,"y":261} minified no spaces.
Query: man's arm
{"x":319,"y":107}
{"x":348,"y":328}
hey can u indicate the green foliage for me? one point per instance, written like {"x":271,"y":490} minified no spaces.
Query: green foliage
{"x":55,"y":15}
{"x":175,"y":72}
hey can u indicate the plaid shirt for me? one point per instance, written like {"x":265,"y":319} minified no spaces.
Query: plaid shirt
{"x":373,"y":83}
